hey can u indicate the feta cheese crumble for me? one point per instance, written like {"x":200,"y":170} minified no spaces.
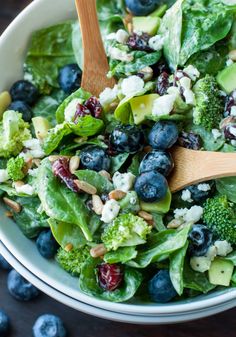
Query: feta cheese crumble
{"x":34,"y":149}
{"x":70,"y":110}
{"x":132,"y":86}
{"x":156,"y":42}
{"x":223,"y":248}
{"x":192,"y":72}
{"x":24,"y":189}
{"x":110,"y":211}
{"x":3,"y":176}
{"x":123,"y":181}
{"x":186,"y":196}
{"x":191,"y":215}
{"x":122,"y":36}
{"x":200,"y":263}
{"x":203,"y":187}
{"x":189,"y":96}
{"x":108,"y":96}
{"x":229,"y":62}
{"x":163,"y":105}
{"x":233,"y":111}
{"x":216,"y":133}
{"x":120,"y":55}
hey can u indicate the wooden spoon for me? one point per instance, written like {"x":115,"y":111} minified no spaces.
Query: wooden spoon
{"x":191,"y":167}
{"x":95,"y":66}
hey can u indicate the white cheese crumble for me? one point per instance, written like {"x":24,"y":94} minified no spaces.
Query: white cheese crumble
{"x":186,"y":196}
{"x":223,"y":248}
{"x":34,"y":148}
{"x":33,"y":172}
{"x":111,"y":36}
{"x":216,"y":133}
{"x":232,"y":130}
{"x":211,"y":252}
{"x":200,"y":263}
{"x":24,"y":189}
{"x":185,"y":82}
{"x":120,"y":55}
{"x":189,"y":96}
{"x":122,"y":36}
{"x":191,"y":215}
{"x":229,"y":62}
{"x":70,"y":110}
{"x":233,"y":111}
{"x":4,"y":176}
{"x":156,"y":42}
{"x":108,"y":96}
{"x":132,"y":85}
{"x":123,"y":181}
{"x":203,"y":187}
{"x":192,"y":72}
{"x":110,"y":211}
{"x":163,"y":105}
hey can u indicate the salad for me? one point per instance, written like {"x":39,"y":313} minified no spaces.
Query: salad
{"x":87,"y":177}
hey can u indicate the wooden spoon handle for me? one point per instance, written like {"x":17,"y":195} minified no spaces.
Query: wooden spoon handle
{"x":95,"y":66}
{"x":192,"y":167}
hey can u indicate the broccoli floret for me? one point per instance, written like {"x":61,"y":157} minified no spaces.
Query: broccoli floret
{"x":125,"y":230}
{"x":13,"y":132}
{"x":15,"y":168}
{"x":220,"y":217}
{"x":73,"y":260}
{"x":209,"y":104}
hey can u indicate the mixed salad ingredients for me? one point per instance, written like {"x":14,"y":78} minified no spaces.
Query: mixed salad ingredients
{"x":87,"y":177}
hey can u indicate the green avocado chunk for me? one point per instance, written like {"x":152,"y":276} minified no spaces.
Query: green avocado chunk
{"x":146,"y":24}
{"x":220,"y":272}
{"x":141,"y":107}
{"x":227,"y":78}
{"x":162,"y":206}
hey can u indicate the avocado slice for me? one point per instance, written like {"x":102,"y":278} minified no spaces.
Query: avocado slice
{"x":220,"y":272}
{"x":41,"y":126}
{"x":226,"y":78}
{"x":142,"y":106}
{"x":162,"y":206}
{"x":146,"y":24}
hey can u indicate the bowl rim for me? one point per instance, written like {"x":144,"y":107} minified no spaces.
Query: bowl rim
{"x":176,"y":308}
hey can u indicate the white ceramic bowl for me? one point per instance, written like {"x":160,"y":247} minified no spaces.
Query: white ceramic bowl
{"x":13,"y":45}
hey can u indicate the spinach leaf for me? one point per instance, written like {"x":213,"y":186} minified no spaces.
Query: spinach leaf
{"x":56,"y":198}
{"x":231,"y":257}
{"x":102,"y":184}
{"x":50,"y":49}
{"x":7,"y":188}
{"x":134,"y":166}
{"x":140,"y":61}
{"x":55,"y":136}
{"x":227,"y":186}
{"x":79,"y":94}
{"x":122,"y":255}
{"x":65,"y":233}
{"x":118,"y":161}
{"x":123,"y":112}
{"x":160,"y":246}
{"x":29,"y":220}
{"x":158,"y":222}
{"x":68,"y":148}
{"x":89,"y":285}
{"x":176,"y":268}
{"x":209,"y":143}
{"x":195,"y":280}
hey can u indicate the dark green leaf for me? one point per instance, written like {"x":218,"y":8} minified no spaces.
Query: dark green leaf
{"x":102,"y":184}
{"x":121,"y":255}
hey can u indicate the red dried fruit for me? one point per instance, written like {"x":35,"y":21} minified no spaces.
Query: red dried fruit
{"x":110,"y":276}
{"x":162,"y":83}
{"x":60,"y":169}
{"x":230,"y":102}
{"x":81,"y":111}
{"x":94,"y":106}
{"x":139,"y":42}
{"x":190,"y":140}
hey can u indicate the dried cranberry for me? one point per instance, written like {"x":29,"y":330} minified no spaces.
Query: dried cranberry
{"x":104,"y":197}
{"x":178,"y":75}
{"x":190,"y":140}
{"x":229,"y":103}
{"x":94,"y":106}
{"x":159,"y":68}
{"x":162,"y":83}
{"x":61,"y":170}
{"x":110,"y":276}
{"x":81,"y":111}
{"x":139,"y":42}
{"x":230,"y":132}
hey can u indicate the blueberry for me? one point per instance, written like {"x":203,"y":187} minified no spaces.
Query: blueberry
{"x":163,"y":135}
{"x":142,"y":7}
{"x":200,"y":195}
{"x":4,"y":264}
{"x":200,"y":240}
{"x":159,"y":161}
{"x":160,"y":287}
{"x":46,"y":244}
{"x":126,"y":138}
{"x":4,"y":323}
{"x":23,"y":108}
{"x":151,"y":186}
{"x":95,"y":158}
{"x":24,"y":91}
{"x":70,"y":78}
{"x":19,"y":288}
{"x":49,"y":326}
